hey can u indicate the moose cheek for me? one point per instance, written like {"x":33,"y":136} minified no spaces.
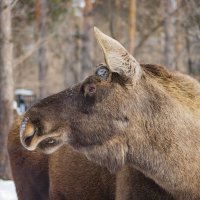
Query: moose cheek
{"x":89,"y":89}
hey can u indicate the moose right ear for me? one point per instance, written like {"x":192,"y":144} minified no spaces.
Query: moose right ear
{"x":118,"y":59}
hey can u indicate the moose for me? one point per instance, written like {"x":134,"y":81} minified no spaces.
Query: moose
{"x":126,"y":114}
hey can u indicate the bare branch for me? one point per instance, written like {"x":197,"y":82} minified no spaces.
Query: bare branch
{"x":25,"y":56}
{"x":12,"y":5}
{"x":154,"y":29}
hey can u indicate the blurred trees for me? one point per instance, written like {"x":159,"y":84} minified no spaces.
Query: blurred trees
{"x":87,"y":38}
{"x":117,"y":18}
{"x":132,"y":26}
{"x":40,"y":12}
{"x":169,"y":30}
{"x":6,"y":83}
{"x":179,"y":38}
{"x":163,"y":32}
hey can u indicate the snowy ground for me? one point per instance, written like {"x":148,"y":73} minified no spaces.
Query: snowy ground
{"x":7,"y":190}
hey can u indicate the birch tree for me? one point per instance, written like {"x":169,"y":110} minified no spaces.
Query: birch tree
{"x":87,"y":43}
{"x":169,"y":30}
{"x":6,"y":83}
{"x":132,"y":26}
{"x":40,"y":10}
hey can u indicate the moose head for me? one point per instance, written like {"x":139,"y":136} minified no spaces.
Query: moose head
{"x":125,"y":113}
{"x":90,"y":114}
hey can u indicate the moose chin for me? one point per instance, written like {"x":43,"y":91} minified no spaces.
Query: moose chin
{"x":126,"y":114}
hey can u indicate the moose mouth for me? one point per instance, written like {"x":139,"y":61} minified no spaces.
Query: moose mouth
{"x":49,"y":145}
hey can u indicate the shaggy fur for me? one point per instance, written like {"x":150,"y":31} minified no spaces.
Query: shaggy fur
{"x":149,"y":121}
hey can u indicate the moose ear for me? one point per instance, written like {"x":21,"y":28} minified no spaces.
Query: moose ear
{"x":118,"y":59}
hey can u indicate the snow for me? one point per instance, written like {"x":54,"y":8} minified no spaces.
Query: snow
{"x":7,"y":190}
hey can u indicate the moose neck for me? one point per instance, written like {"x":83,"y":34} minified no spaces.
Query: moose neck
{"x":163,"y":140}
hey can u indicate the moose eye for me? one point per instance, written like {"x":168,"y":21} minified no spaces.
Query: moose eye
{"x":103,"y":72}
{"x":89,"y":89}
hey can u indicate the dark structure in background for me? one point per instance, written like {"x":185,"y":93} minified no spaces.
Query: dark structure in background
{"x":23,"y":100}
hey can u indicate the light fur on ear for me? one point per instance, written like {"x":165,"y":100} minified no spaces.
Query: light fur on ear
{"x":118,"y":59}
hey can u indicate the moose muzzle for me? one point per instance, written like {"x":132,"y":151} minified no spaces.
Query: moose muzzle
{"x":28,"y":135}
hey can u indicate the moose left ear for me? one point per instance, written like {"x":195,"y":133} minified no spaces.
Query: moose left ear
{"x":118,"y":59}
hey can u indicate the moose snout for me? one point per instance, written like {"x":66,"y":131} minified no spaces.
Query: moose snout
{"x":28,"y":134}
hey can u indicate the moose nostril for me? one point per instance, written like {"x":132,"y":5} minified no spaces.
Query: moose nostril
{"x":28,"y":140}
{"x":27,"y":134}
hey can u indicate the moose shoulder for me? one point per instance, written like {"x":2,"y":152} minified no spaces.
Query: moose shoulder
{"x":126,"y":114}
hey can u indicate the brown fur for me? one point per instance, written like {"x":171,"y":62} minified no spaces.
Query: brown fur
{"x":133,"y":185}
{"x":126,"y":114}
{"x":64,"y":175}
{"x":152,"y":125}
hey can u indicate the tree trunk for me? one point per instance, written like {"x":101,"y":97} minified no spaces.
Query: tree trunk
{"x":75,"y":67}
{"x":111,"y":18}
{"x":72,"y":65}
{"x":41,"y":7}
{"x":6,"y":83}
{"x":188,"y":49}
{"x":132,"y":26}
{"x":115,"y":18}
{"x":87,"y":42}
{"x":179,"y":39}
{"x":169,"y":29}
